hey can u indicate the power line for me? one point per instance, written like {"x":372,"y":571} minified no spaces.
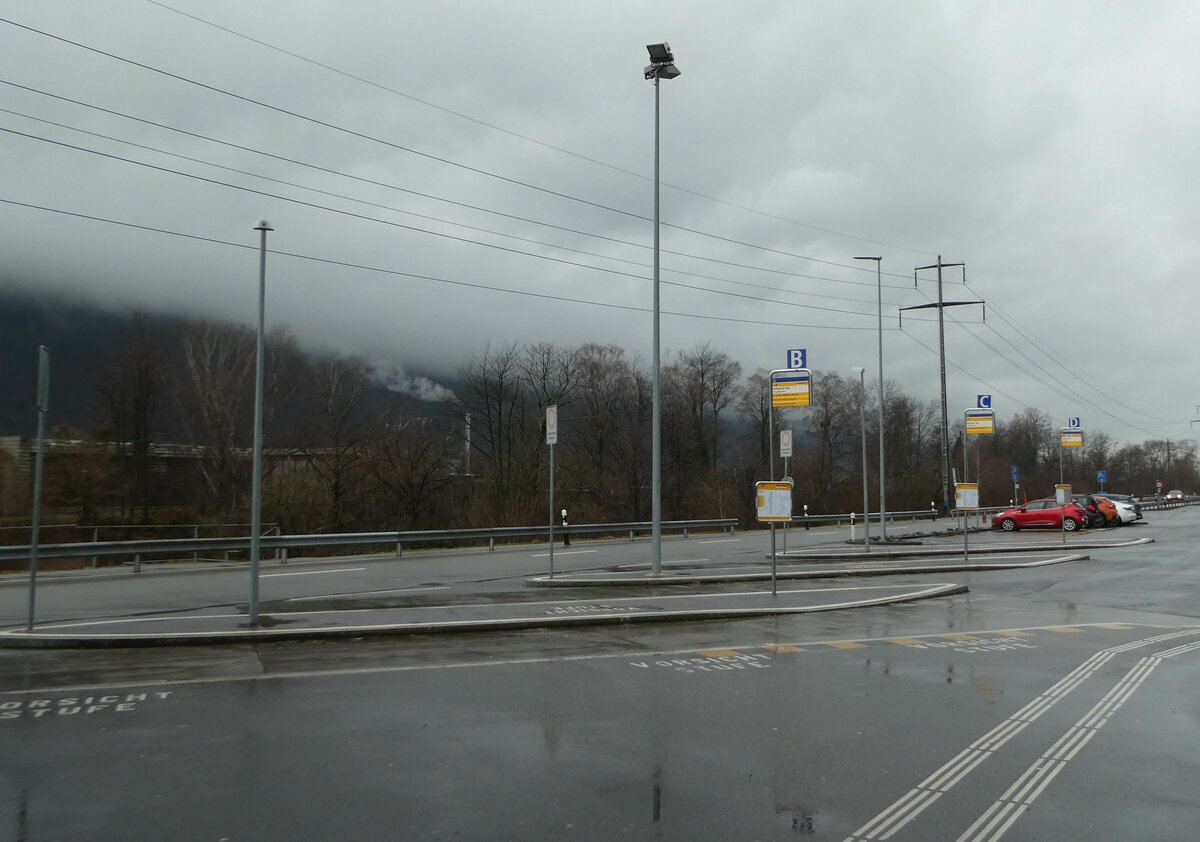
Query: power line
{"x":427,"y":216}
{"x":416,"y":276}
{"x":429,"y":156}
{"x":413,"y":228}
{"x":527,"y":138}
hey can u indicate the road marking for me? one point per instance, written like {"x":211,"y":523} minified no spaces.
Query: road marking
{"x":902,"y":811}
{"x":312,"y":572}
{"x":1009,"y":807}
{"x":904,"y":641}
{"x":961,"y":637}
{"x":489,"y":662}
{"x":848,"y":645}
{"x":719,"y":541}
{"x":370,"y":593}
{"x":562,"y":552}
{"x":717,"y":653}
{"x":781,"y":648}
{"x":1063,"y":629}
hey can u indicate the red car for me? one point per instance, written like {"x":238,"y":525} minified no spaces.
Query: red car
{"x":1047,"y":512}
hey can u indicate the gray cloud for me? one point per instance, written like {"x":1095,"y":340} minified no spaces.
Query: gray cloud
{"x":1051,"y":147}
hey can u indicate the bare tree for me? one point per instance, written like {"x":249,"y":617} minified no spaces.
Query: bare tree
{"x":130,"y":392}
{"x":410,"y":460}
{"x":335,"y":426}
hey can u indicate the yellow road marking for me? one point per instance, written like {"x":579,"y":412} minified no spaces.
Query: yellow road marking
{"x":903,"y":641}
{"x":1114,"y":626}
{"x":848,"y":644}
{"x":961,"y":636}
{"x":718,"y":653}
{"x":1014,"y":633}
{"x":1064,"y":629}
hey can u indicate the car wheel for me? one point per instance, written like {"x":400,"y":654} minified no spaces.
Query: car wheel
{"x":1070,"y":524}
{"x":1008,"y":525}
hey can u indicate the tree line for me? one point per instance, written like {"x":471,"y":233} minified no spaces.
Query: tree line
{"x":345,"y":453}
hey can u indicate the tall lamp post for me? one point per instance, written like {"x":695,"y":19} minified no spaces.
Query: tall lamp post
{"x":862,"y":424}
{"x":879,"y":304}
{"x":661,"y":66}
{"x":256,"y":479}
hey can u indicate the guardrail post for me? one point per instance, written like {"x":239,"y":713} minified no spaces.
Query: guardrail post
{"x":631,"y":536}
{"x":283,"y":555}
{"x":137,"y":562}
{"x":492,"y":544}
{"x":95,"y":539}
{"x":399,"y":552}
{"x":685,"y":532}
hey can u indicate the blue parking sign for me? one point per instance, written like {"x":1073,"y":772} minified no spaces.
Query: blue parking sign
{"x":1101,"y":476}
{"x":1014,"y":473}
{"x":797,"y":358}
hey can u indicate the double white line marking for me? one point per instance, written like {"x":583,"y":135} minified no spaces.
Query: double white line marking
{"x":1005,"y":811}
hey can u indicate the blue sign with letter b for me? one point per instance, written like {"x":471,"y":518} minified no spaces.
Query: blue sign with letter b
{"x":797,"y":358}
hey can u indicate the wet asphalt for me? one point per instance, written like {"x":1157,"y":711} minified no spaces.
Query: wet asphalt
{"x":1053,"y":703}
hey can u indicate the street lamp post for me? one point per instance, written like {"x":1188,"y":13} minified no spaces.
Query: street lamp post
{"x":879,"y":304}
{"x":862,"y":423}
{"x":662,"y":66}
{"x":256,"y":479}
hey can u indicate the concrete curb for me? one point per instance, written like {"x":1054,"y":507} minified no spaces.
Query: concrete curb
{"x":647,"y":580}
{"x":50,"y":640}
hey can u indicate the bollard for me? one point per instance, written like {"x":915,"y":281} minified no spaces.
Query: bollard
{"x":196,"y":536}
{"x":491,"y":545}
{"x":137,"y":562}
{"x":283,"y":555}
{"x":399,"y":552}
{"x":851,"y":527}
{"x":806,"y":517}
{"x":95,"y":538}
{"x":631,"y":536}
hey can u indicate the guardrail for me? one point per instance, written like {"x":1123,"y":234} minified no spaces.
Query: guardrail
{"x":175,"y":548}
{"x":848,"y":517}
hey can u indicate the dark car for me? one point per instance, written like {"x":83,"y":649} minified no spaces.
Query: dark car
{"x":1095,"y":517}
{"x":1046,"y":512}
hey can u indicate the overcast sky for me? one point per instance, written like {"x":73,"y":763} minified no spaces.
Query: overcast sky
{"x":506,"y":149}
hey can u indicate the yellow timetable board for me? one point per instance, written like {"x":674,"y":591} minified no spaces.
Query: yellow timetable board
{"x":1071,"y":438}
{"x":980,"y":422}
{"x":773,"y":501}
{"x":791,"y":389}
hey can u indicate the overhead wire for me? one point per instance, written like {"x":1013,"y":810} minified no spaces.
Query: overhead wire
{"x":426,"y":155}
{"x":429,"y":196}
{"x":442,"y":234}
{"x":417,"y":276}
{"x":388,"y":89}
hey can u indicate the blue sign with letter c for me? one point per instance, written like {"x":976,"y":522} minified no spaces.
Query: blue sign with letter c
{"x":984,"y":402}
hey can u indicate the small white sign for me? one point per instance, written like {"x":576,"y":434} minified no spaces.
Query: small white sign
{"x":785,"y":442}
{"x":552,"y":424}
{"x":1062,"y":494}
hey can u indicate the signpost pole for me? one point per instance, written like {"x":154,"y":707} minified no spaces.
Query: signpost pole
{"x":43,"y":406}
{"x":551,"y":511}
{"x":551,"y":440}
